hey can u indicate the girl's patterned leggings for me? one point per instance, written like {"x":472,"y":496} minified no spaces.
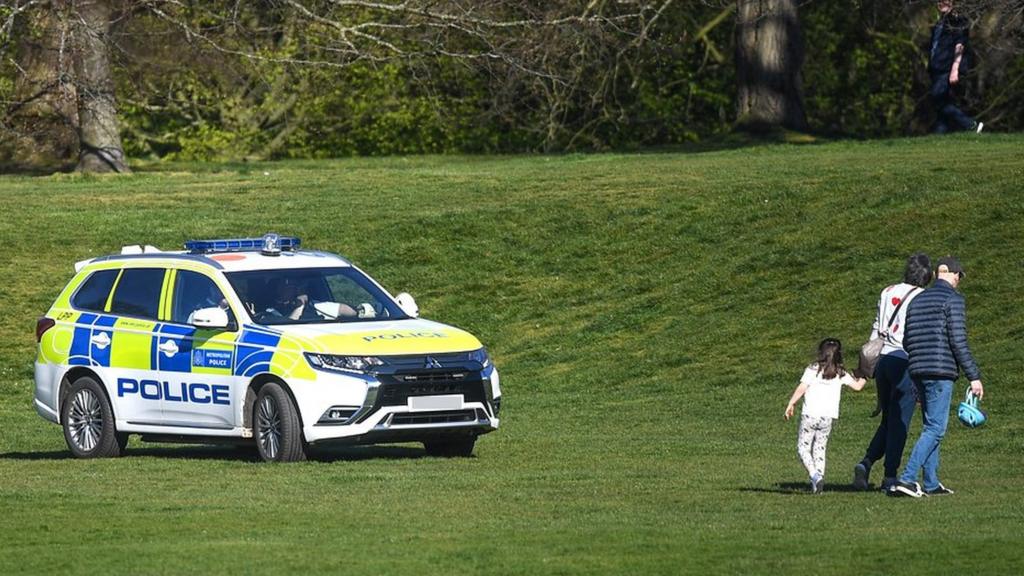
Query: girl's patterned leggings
{"x":812,"y":441}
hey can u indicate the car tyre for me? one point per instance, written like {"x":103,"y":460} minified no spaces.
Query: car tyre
{"x":452,"y":447}
{"x":88,"y":421}
{"x":276,"y":426}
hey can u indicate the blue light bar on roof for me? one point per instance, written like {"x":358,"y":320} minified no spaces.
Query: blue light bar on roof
{"x":241,"y":244}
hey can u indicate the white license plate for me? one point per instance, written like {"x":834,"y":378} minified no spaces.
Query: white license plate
{"x":449,"y":402}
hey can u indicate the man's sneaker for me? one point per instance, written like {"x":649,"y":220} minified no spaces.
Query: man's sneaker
{"x":888,"y":482}
{"x":817,"y":483}
{"x":978,"y":127}
{"x":912,"y":489}
{"x":940,"y":491}
{"x":860,"y":476}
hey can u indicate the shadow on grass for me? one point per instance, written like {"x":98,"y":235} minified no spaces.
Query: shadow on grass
{"x":735,"y":140}
{"x":242,"y":453}
{"x":802,"y":488}
{"x":731,"y":140}
{"x":25,"y":170}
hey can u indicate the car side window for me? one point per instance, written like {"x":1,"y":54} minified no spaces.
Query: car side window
{"x":138,"y":292}
{"x":93,"y":293}
{"x":194,"y":291}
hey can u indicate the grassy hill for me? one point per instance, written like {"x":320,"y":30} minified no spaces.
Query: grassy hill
{"x":649,"y":313}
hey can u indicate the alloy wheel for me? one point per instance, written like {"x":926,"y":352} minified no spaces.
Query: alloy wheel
{"x":268,"y":427}
{"x":85,"y":420}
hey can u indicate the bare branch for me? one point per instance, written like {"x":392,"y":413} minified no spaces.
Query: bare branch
{"x":13,"y":10}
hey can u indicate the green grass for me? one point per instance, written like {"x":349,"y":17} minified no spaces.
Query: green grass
{"x":649,"y":313}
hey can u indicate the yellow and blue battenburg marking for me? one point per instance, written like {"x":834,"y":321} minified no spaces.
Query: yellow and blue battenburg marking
{"x":106,"y":341}
{"x":180,"y":361}
{"x":92,"y":341}
{"x":255,"y":350}
{"x":130,"y":348}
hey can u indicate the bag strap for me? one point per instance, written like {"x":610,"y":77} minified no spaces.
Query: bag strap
{"x":970,"y":398}
{"x":892,"y":318}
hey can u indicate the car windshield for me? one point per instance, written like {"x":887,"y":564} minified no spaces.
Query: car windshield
{"x":312,"y":296}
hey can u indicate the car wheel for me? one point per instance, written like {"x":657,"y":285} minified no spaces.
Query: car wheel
{"x":277,"y":428}
{"x":88,"y":421}
{"x":454,"y":447}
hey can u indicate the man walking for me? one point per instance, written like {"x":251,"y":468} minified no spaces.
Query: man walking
{"x":936,"y":343}
{"x":949,"y":40}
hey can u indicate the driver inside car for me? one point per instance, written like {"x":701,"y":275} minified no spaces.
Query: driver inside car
{"x":292,"y":301}
{"x":288,"y":302}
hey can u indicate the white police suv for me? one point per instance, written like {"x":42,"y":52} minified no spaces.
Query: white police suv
{"x":254,"y":340}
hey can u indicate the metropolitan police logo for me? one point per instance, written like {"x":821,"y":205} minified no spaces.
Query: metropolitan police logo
{"x":431,"y":363}
{"x":212,"y":358}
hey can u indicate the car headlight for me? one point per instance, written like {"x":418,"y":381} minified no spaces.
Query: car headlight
{"x":360,"y":364}
{"x":480,"y":356}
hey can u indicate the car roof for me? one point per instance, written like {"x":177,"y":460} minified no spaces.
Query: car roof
{"x":231,"y":261}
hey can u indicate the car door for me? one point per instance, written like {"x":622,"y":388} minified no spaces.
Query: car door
{"x":195,"y":364}
{"x":131,"y":312}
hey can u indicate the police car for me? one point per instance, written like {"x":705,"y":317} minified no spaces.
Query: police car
{"x":254,"y":340}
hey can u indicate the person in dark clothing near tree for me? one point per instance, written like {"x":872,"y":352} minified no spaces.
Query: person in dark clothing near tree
{"x":946,"y":52}
{"x":936,"y":345}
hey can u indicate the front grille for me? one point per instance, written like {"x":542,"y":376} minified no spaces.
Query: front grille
{"x":396,"y":389}
{"x":432,"y":377}
{"x":449,"y":417}
{"x":417,"y":361}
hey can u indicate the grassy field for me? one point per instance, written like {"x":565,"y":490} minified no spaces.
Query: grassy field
{"x":650,"y":315}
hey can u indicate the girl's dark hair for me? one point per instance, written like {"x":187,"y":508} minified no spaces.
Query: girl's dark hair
{"x":830,"y":359}
{"x":919,"y":270}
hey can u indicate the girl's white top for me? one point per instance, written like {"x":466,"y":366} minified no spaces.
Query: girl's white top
{"x":821,"y":400}
{"x":887,"y":302}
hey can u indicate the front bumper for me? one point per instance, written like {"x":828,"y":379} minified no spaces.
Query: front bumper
{"x":401,"y":403}
{"x":397,"y":425}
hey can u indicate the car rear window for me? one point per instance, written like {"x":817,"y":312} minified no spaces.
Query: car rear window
{"x":138,"y":292}
{"x":92,"y":295}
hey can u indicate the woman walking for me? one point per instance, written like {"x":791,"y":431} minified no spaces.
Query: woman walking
{"x":896,"y":393}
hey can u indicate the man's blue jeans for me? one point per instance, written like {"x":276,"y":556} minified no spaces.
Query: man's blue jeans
{"x":935,"y":397}
{"x":896,"y":391}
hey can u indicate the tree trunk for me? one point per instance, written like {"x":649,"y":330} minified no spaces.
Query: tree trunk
{"x":769,"y":54}
{"x":100,"y":141}
{"x":43,"y":116}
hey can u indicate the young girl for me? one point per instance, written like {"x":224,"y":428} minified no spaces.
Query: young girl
{"x":820,"y":387}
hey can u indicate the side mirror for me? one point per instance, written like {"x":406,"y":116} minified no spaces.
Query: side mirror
{"x":214,"y":317}
{"x":408,"y":304}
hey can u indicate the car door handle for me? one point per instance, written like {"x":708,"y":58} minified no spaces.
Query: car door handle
{"x":168,"y":347}
{"x":100,"y":340}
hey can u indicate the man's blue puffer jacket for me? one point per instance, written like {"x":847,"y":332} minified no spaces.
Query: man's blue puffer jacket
{"x":936,"y":335}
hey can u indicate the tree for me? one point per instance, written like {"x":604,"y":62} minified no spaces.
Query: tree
{"x":99,"y":137}
{"x":769,"y":55}
{"x":63,"y":109}
{"x":43,"y":116}
{"x":497,"y":37}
